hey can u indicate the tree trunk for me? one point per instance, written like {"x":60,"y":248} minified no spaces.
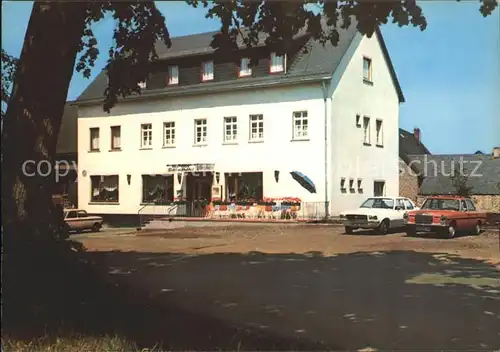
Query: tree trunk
{"x":33,"y":118}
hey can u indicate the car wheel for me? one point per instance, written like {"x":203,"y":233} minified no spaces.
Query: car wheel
{"x":478,"y":229}
{"x":452,"y":231}
{"x":96,"y":227}
{"x":348,"y":230}
{"x":383,"y":228}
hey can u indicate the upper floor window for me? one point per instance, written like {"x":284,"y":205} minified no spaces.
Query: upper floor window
{"x":169,"y":134}
{"x":367,"y":69}
{"x":366,"y":130}
{"x":380,"y":133}
{"x":173,"y":74}
{"x":116,"y":138}
{"x":256,"y":127}
{"x":276,"y":64}
{"x":245,"y":68}
{"x":200,"y":131}
{"x":146,"y":135}
{"x":207,"y":71}
{"x":94,"y":139}
{"x":300,"y":124}
{"x":230,"y":129}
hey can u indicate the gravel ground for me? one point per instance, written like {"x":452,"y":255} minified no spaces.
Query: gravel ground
{"x":288,"y":238}
{"x":314,"y":283}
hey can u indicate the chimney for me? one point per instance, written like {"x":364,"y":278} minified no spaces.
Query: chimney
{"x":496,"y":152}
{"x":416,"y":133}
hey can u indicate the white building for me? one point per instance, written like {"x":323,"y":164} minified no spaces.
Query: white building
{"x":331,"y":113}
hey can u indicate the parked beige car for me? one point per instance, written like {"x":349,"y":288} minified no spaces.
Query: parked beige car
{"x":78,"y":220}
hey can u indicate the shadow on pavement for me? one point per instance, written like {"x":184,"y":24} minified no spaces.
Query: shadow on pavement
{"x":231,"y":301}
{"x":386,"y":300}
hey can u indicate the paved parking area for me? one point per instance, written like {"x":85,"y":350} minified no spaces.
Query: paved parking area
{"x":345,"y":292}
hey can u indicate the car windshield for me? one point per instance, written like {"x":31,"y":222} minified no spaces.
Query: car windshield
{"x":378,"y":203}
{"x":441,"y":204}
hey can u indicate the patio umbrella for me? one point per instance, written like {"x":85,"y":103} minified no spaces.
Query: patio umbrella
{"x":304,"y":181}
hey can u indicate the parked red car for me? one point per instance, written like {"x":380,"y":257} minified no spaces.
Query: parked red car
{"x":447,"y":216}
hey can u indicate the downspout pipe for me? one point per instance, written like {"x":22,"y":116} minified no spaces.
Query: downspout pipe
{"x":325,"y":100}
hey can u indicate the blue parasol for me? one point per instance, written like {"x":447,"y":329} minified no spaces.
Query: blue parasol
{"x":304,"y":181}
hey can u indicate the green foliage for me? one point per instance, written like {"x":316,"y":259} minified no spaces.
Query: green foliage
{"x":139,"y":24}
{"x":460,"y":181}
{"x":9,"y":64}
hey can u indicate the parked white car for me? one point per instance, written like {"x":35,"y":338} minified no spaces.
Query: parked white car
{"x":378,"y":213}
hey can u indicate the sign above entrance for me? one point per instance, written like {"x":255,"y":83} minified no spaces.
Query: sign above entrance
{"x":190,"y":167}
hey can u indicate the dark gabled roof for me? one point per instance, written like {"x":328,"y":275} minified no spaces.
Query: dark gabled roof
{"x":409,"y":145}
{"x":67,"y":139}
{"x":319,"y":63}
{"x":483,"y":172}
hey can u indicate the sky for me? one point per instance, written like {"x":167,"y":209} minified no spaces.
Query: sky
{"x":449,"y":73}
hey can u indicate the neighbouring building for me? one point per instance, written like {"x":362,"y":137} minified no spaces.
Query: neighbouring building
{"x":224,"y":128}
{"x":480,"y":173}
{"x":67,"y":158}
{"x":410,"y":178}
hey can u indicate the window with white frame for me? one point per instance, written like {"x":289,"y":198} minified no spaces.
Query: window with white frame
{"x":169,"y":134}
{"x":380,"y":133}
{"x":300,"y":124}
{"x":207,"y":71}
{"x":351,"y":185}
{"x":116,"y":138}
{"x":358,"y":120}
{"x":104,"y":189}
{"x":342,"y":184}
{"x":276,"y":63}
{"x":360,"y":185}
{"x":245,"y":68}
{"x":200,"y":131}
{"x":173,"y":74}
{"x":94,"y":139}
{"x":367,"y":69}
{"x":230,"y":129}
{"x":256,"y":127}
{"x":146,"y":135}
{"x":366,"y":130}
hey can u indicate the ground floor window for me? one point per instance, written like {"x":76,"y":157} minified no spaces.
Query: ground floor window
{"x":379,"y":188}
{"x":104,"y":188}
{"x":157,"y":189}
{"x":246,"y":186}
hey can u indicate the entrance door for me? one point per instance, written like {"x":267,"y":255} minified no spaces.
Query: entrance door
{"x":379,"y":188}
{"x":199,"y":189}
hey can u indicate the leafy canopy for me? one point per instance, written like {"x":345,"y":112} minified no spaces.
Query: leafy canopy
{"x":140,"y":25}
{"x":9,"y":64}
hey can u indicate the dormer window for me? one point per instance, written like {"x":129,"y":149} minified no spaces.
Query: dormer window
{"x":207,"y":71}
{"x":245,"y":68}
{"x":173,"y":75}
{"x":276,"y":63}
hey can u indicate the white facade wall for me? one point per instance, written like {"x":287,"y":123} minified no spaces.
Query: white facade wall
{"x":350,"y":158}
{"x":278,"y":151}
{"x":347,"y":96}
